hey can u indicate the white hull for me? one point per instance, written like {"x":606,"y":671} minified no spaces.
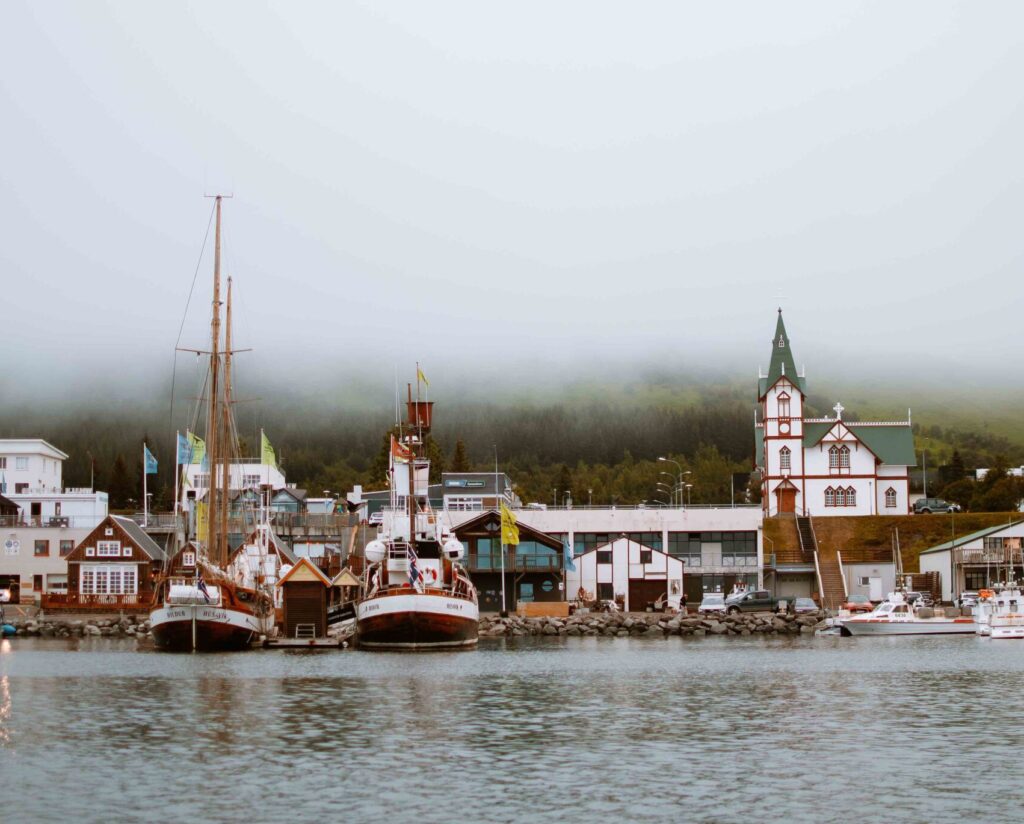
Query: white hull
{"x":417,"y":621}
{"x":920,"y":626}
{"x":1006,"y":629}
{"x":198,"y":626}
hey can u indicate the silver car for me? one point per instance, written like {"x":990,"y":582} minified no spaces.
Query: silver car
{"x":712,"y":602}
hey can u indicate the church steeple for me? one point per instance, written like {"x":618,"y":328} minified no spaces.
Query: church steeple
{"x":782,"y":362}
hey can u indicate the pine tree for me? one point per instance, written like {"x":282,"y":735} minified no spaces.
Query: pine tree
{"x":120,"y":487}
{"x":460,"y":460}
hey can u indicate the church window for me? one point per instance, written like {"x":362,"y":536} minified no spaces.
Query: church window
{"x":783,"y":405}
{"x":833,"y":457}
{"x":784,"y":456}
{"x":844,"y":458}
{"x":851,"y":496}
{"x":890,"y":498}
{"x":830,"y":497}
{"x":840,"y":497}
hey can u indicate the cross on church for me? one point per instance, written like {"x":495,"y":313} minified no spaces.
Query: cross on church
{"x":839,"y":410}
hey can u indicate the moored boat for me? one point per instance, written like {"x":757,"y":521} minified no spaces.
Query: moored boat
{"x":416,"y":594}
{"x":1001,"y":612}
{"x":897,"y":616}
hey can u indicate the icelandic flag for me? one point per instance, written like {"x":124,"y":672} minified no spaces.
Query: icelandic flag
{"x":567,"y":553}
{"x":201,"y":585}
{"x":149,"y":460}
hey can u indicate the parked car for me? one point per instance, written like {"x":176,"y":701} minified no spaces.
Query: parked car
{"x":758,"y":600}
{"x":858,"y":602}
{"x":802,"y":606}
{"x":919,"y":599}
{"x":711,"y":603}
{"x":968,"y":599}
{"x":928,"y":505}
{"x":376,"y":519}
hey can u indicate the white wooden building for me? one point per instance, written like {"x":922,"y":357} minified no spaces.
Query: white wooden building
{"x":825,"y":466}
{"x":627,"y":569}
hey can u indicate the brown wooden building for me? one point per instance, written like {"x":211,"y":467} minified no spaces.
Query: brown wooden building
{"x":112,"y":569}
{"x":533,"y":568}
{"x":305,"y":591}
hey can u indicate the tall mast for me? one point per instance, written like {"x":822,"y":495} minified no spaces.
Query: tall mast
{"x":213,"y":416}
{"x":227,"y":437}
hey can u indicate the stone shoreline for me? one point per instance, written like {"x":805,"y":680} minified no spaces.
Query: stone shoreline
{"x":647,"y":624}
{"x":126,"y":627}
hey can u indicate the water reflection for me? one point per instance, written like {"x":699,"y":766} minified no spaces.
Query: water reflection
{"x":534,"y":729}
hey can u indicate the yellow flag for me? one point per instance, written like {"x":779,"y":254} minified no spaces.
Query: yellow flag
{"x":202,"y":522}
{"x":509,"y":527}
{"x":420,"y":376}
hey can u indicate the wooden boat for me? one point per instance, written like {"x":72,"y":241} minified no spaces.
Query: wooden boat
{"x":206,"y":609}
{"x":416,"y":594}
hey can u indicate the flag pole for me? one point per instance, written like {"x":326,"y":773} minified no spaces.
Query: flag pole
{"x":501,"y":531}
{"x":177,"y":474}
{"x":145,"y":488}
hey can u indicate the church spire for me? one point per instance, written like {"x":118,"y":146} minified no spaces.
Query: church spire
{"x":782,"y":362}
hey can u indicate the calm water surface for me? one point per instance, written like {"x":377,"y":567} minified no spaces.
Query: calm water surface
{"x":588,"y":729}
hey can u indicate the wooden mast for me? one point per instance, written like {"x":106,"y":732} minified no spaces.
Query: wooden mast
{"x":226,"y":436}
{"x":213,"y":417}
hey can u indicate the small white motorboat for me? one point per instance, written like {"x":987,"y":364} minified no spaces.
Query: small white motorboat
{"x":897,"y":616}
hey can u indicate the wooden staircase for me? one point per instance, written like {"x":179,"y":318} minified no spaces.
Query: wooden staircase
{"x":833,"y":590}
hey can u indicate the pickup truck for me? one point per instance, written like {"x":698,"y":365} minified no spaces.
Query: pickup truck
{"x":757,"y":600}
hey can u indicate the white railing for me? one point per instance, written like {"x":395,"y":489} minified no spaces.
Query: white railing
{"x":842,"y":574}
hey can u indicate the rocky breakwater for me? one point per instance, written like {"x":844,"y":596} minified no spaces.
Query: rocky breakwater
{"x":623,"y":625}
{"x":126,"y":627}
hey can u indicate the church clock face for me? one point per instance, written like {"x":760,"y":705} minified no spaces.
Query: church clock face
{"x":784,"y":428}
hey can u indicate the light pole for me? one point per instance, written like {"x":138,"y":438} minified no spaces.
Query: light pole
{"x":688,"y":488}
{"x":590,"y":498}
{"x":567,"y":500}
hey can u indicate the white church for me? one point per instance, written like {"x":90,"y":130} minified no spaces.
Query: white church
{"x":825,"y":466}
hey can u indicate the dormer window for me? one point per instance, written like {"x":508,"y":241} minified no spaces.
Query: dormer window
{"x":839,"y":457}
{"x":844,"y":457}
{"x":784,"y":459}
{"x":783,"y":405}
{"x":782,"y":342}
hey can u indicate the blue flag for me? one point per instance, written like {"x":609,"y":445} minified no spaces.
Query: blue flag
{"x":184,"y":450}
{"x":567,"y":552}
{"x":148,"y":460}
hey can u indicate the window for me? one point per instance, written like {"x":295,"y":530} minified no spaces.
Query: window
{"x":37,"y":583}
{"x":108,"y":531}
{"x":108,"y":549}
{"x":42,"y":548}
{"x":20,"y":489}
{"x":21,"y":463}
{"x":250,"y":481}
{"x":108,"y":579}
{"x":844,"y":458}
{"x":90,"y":551}
{"x":645,"y":556}
{"x":127,"y":552}
{"x":66,"y":547}
{"x":840,"y":497}
{"x":604,"y":556}
{"x":833,"y":457}
{"x":851,"y":496}
{"x":685,"y":545}
{"x":783,"y":405}
{"x":648,"y":539}
{"x":865,"y":581}
{"x":830,"y":497}
{"x":525,"y":591}
{"x":586,"y":541}
{"x":534,"y":555}
{"x":890,"y":498}
{"x":784,"y":456}
{"x":463,"y":503}
{"x":606,"y":592}
{"x":56,"y":510}
{"x":188,"y":559}
{"x":202,"y":480}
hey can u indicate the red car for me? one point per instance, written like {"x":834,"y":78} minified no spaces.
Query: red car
{"x":858,"y":603}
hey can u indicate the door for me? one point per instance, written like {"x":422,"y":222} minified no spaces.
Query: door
{"x":875,"y":589}
{"x":787,"y":500}
{"x":642,"y":593}
{"x":37,"y":512}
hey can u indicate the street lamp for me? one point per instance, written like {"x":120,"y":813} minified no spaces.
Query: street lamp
{"x":688,"y":488}
{"x":678,"y":477}
{"x":590,"y":498}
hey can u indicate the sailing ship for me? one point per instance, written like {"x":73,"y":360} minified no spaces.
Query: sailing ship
{"x":206,"y":608}
{"x":416,"y":594}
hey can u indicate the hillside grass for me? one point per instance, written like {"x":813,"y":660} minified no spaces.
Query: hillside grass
{"x":869,"y":537}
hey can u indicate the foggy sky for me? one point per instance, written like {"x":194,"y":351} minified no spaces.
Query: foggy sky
{"x":513,"y":189}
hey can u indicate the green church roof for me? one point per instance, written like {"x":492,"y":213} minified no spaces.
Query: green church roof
{"x":892,"y":443}
{"x":782,"y":362}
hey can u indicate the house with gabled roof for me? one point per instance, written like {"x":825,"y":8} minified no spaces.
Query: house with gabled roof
{"x":825,"y":466}
{"x":112,"y":569}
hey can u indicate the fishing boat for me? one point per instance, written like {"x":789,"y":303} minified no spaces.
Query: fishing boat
{"x":1000,"y":612}
{"x":205,"y":607}
{"x":416,"y":594}
{"x":898,"y":616}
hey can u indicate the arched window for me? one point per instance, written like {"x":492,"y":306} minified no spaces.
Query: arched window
{"x":833,"y":457}
{"x":830,"y":497}
{"x":851,"y":496}
{"x":783,"y":405}
{"x":890,"y":498}
{"x":844,"y":458}
{"x":784,"y":458}
{"x":840,"y":497}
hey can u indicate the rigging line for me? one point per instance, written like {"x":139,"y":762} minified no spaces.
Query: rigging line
{"x":184,"y":316}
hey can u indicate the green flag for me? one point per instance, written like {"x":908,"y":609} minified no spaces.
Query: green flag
{"x":197,"y":448}
{"x":267,"y":455}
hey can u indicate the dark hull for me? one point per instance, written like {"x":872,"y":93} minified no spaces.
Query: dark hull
{"x":210,"y":636}
{"x":416,"y":630}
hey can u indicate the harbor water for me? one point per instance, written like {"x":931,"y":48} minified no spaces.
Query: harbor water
{"x":546,"y":729}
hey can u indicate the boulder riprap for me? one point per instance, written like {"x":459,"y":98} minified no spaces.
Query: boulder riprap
{"x":622,"y":625}
{"x":46,"y":627}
